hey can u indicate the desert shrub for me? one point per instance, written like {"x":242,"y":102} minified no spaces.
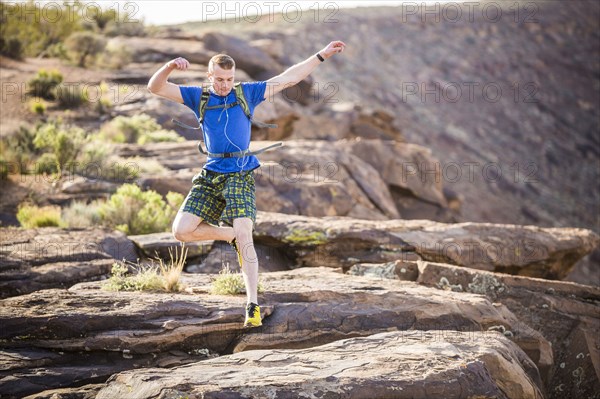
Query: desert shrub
{"x":139,"y":129}
{"x":120,"y":170}
{"x":64,"y":142}
{"x":43,"y":84}
{"x":18,"y":150}
{"x":134,"y":211}
{"x":83,"y":47}
{"x":102,"y":17}
{"x":4,"y":170}
{"x":37,"y":106}
{"x":30,"y":30}
{"x":145,"y":165}
{"x":114,"y":57}
{"x":103,"y":105}
{"x":140,"y":278}
{"x":136,"y":277}
{"x":11,"y":47}
{"x":126,"y":26}
{"x":160,"y":136}
{"x":32,"y":216}
{"x":228,"y":282}
{"x":46,"y":163}
{"x":101,"y":99}
{"x":70,"y":95}
{"x":57,"y":50}
{"x":80,"y":214}
{"x":97,"y":162}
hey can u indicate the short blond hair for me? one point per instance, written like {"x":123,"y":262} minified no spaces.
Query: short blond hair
{"x":222,"y":60}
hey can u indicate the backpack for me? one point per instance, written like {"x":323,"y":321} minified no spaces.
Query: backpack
{"x":240,"y":99}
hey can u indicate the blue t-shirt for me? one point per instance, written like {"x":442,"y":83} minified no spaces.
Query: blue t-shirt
{"x":226,"y":130}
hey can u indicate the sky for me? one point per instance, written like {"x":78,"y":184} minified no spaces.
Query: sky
{"x":178,"y":11}
{"x":156,"y":12}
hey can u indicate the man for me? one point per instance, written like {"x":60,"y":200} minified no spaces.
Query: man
{"x":224,"y":189}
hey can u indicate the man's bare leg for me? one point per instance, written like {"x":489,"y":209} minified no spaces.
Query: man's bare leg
{"x":242,"y":228}
{"x":188,"y":227}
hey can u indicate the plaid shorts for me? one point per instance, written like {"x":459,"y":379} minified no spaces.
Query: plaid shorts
{"x":218,"y":196}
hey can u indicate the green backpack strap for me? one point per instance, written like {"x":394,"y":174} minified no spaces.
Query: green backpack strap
{"x":241,"y":98}
{"x":239,"y":95}
{"x":202,"y":106}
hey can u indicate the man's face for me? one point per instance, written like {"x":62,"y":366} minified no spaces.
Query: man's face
{"x":222,"y":80}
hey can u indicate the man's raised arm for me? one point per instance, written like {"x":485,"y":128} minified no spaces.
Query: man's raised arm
{"x":159,"y":85}
{"x":300,"y":71}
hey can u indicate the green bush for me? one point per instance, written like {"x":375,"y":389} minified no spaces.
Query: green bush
{"x":31,"y":30}
{"x":127,"y":26}
{"x":44,"y":83}
{"x":122,"y":170}
{"x":164,"y":277}
{"x":94,"y":155}
{"x":139,"y":129}
{"x":96,"y":161}
{"x":32,"y":216}
{"x":70,"y":95}
{"x":18,"y":149}
{"x":145,"y":165}
{"x":103,"y":105}
{"x":37,"y":106}
{"x":46,"y":163}
{"x":229,"y":283}
{"x":83,"y":47}
{"x":160,"y":136}
{"x":143,"y":278}
{"x":103,"y":17}
{"x":115,"y":57}
{"x":134,"y":211}
{"x":80,"y":215}
{"x":11,"y":47}
{"x":57,"y":50}
{"x":65,"y":143}
{"x":4,"y":170}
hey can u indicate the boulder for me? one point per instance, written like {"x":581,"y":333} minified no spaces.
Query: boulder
{"x":256,"y":62}
{"x":173,"y":156}
{"x":586,"y":270}
{"x":334,"y":241}
{"x":88,"y":391}
{"x":171,"y":181}
{"x":80,"y":185}
{"x":222,"y":255}
{"x":565,"y":313}
{"x":103,"y":332}
{"x":415,"y":364}
{"x":162,"y":245}
{"x":50,"y":257}
{"x":404,"y":165}
{"x":164,"y":49}
{"x":353,"y":178}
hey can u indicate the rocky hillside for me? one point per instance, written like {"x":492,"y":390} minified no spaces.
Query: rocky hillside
{"x":408,"y":246}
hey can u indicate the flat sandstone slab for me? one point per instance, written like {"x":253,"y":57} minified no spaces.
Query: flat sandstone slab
{"x":415,"y":364}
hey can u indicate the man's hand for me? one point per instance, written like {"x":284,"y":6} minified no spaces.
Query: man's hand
{"x":159,"y":85}
{"x":178,"y":63}
{"x":333,"y":48}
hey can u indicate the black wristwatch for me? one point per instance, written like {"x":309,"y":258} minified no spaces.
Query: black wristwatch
{"x":320,"y":58}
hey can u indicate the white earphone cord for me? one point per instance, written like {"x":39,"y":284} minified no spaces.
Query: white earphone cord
{"x":243,"y":159}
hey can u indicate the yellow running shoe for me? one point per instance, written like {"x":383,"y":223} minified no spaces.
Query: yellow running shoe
{"x":237,"y":250}
{"x":253,"y":316}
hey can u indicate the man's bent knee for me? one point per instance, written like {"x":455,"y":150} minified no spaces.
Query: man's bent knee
{"x":243,"y":229}
{"x":183,"y":225}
